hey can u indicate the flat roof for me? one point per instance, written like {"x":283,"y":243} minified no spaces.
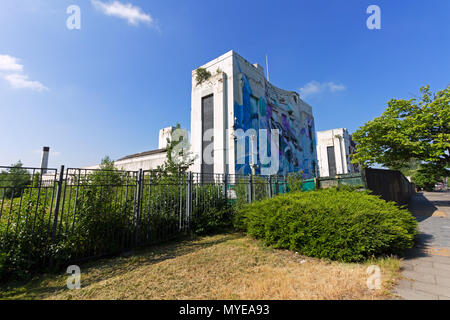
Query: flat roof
{"x":143,"y":154}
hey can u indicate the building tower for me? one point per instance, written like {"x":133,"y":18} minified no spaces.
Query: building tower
{"x":44,"y":161}
{"x":334,"y":148}
{"x":235,"y":104}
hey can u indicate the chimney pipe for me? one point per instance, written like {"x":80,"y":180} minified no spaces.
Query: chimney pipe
{"x":44,"y":162}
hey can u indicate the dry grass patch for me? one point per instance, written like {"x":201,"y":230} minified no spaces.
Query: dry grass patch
{"x":230,"y":266}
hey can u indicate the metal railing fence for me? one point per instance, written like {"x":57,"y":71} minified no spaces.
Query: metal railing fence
{"x":84,"y":213}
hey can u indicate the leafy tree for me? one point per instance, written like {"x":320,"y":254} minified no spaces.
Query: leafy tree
{"x":107,"y":175}
{"x":14,"y":180}
{"x":410,"y":168}
{"x":178,"y":158}
{"x":428,"y":175}
{"x":107,"y":164}
{"x":408,"y":129}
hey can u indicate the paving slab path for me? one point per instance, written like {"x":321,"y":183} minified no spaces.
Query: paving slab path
{"x":426,"y":268}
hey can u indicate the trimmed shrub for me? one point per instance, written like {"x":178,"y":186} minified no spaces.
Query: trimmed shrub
{"x":335,"y":224}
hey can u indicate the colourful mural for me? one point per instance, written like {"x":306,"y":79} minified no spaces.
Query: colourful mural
{"x":297,"y":133}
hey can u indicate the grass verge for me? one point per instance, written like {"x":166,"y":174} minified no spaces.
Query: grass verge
{"x":226,"y":266}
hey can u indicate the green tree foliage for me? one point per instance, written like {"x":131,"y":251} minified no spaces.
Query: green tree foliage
{"x":178,"y":158}
{"x":99,"y":215}
{"x":295,"y":181}
{"x":410,"y":168}
{"x":104,"y":219}
{"x":408,"y":129}
{"x":213,"y":213}
{"x":14,"y":180}
{"x":427,"y":175}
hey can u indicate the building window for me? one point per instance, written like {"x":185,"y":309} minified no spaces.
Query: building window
{"x":207,"y":124}
{"x":331,"y":161}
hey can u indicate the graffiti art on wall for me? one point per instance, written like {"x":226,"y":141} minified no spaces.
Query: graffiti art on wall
{"x":296,"y":145}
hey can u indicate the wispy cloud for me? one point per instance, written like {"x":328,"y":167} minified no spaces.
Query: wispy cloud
{"x":133,"y":14}
{"x":315,"y":88}
{"x":21,"y":81}
{"x":12,"y":72}
{"x":8,"y":63}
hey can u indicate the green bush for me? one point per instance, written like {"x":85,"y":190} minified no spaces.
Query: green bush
{"x":335,"y":224}
{"x":97,"y":216}
{"x":25,"y":235}
{"x":13,"y":181}
{"x":295,"y":181}
{"x":241,"y":187}
{"x":212,"y":213}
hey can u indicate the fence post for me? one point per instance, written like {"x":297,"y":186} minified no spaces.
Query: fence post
{"x":270,"y":187}
{"x":364,"y":178}
{"x":189,"y":200}
{"x":285,"y":184}
{"x":58,"y":202}
{"x":225,"y":186}
{"x":250,"y":188}
{"x":138,"y":205}
{"x":277,"y":187}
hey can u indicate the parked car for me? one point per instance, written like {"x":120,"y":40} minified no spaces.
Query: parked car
{"x":439,"y":187}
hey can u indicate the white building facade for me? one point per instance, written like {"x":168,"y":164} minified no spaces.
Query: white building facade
{"x":147,"y":160}
{"x":334,"y":148}
{"x":237,"y":98}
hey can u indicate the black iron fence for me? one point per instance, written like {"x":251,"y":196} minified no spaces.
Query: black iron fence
{"x":75,"y":214}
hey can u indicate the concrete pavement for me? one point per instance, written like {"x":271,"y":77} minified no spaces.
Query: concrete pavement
{"x":426,"y":268}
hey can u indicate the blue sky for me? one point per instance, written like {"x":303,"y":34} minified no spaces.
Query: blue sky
{"x":108,"y":88}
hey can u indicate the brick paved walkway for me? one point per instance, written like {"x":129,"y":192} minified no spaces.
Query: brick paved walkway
{"x":426,"y":268}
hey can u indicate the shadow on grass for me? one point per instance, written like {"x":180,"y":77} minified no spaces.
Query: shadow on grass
{"x":93,"y":272}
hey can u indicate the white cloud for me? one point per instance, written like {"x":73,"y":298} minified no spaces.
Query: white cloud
{"x":310,"y":88}
{"x":336,"y":87}
{"x":8,"y":63}
{"x":21,"y":81}
{"x":133,"y":14}
{"x":315,"y":88}
{"x":12,"y":72}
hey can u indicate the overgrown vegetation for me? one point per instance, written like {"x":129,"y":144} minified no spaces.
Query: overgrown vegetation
{"x":336,"y":224}
{"x":408,"y":129}
{"x":106,"y":211}
{"x":14,"y":180}
{"x":98,"y":214}
{"x":215,"y":214}
{"x":202,"y":75}
{"x":424,"y":175}
{"x":295,"y":181}
{"x":427,"y":175}
{"x":412,"y":136}
{"x":178,"y":157}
